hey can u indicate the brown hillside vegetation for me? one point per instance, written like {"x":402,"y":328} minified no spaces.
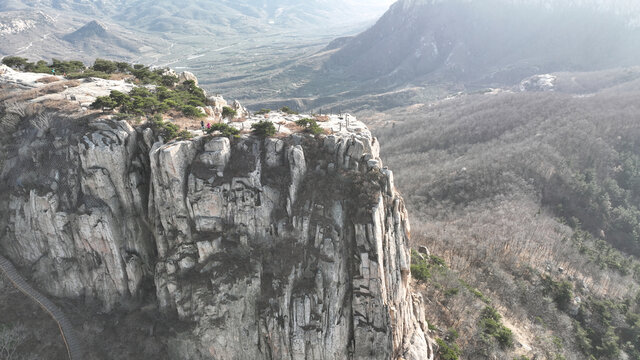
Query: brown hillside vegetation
{"x":531,"y":199}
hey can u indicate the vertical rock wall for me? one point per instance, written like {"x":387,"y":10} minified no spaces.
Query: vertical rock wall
{"x":290,"y":248}
{"x":74,"y":211}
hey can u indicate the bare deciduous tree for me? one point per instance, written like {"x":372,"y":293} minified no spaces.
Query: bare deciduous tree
{"x":11,"y":337}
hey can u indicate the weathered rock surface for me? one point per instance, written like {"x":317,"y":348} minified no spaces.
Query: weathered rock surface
{"x":544,"y":82}
{"x":187,"y":76}
{"x":292,"y":248}
{"x":278,"y":258}
{"x":75,"y":211}
{"x":82,"y":92}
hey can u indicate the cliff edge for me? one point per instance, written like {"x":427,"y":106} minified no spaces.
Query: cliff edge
{"x":290,"y":247}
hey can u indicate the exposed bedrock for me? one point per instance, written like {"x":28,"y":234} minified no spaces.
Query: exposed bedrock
{"x":291,"y":248}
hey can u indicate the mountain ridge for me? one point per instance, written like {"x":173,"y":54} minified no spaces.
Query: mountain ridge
{"x":457,"y":40}
{"x":94,"y":35}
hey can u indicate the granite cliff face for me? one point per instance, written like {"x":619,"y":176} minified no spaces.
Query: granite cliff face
{"x":75,"y":211}
{"x":278,"y":248}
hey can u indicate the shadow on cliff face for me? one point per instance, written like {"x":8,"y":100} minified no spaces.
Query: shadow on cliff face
{"x":37,"y":146}
{"x":27,"y":133}
{"x":25,"y":328}
{"x":233,"y":237}
{"x":133,"y":331}
{"x":241,"y":163}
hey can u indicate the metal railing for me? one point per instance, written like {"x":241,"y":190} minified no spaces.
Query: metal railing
{"x":72,"y":343}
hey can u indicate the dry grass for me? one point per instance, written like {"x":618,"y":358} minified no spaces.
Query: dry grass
{"x":48,"y":79}
{"x":6,"y":93}
{"x":60,"y":105}
{"x":23,"y":96}
{"x":120,"y":77}
{"x":72,"y":83}
{"x":53,"y":88}
{"x":281,"y":135}
{"x":184,"y":123}
{"x":321,"y":118}
{"x":59,"y":86}
{"x":292,"y":126}
{"x":23,"y":109}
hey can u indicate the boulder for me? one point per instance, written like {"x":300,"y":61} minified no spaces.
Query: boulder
{"x":186,"y":76}
{"x":217,"y":153}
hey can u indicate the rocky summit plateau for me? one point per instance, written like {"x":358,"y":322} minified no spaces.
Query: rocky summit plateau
{"x":292,"y":246}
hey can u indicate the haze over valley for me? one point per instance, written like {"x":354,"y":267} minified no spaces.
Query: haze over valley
{"x":284,"y":53}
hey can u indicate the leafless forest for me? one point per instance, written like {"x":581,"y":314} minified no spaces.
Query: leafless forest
{"x":531,"y":200}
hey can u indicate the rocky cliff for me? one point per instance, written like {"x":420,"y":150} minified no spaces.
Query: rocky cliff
{"x":292,"y":247}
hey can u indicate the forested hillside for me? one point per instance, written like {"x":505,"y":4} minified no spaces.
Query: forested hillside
{"x":531,"y":200}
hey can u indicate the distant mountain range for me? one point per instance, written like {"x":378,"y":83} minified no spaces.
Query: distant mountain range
{"x":163,"y":32}
{"x":48,"y":33}
{"x":267,"y":53}
{"x":93,"y":37}
{"x":421,"y":50}
{"x":491,"y":42}
{"x":213,"y":16}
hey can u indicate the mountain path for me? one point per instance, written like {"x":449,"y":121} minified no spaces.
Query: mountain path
{"x":72,"y":342}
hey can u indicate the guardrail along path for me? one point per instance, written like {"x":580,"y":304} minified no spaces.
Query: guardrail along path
{"x":71,"y":340}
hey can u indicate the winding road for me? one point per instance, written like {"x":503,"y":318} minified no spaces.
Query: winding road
{"x":71,"y":341}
